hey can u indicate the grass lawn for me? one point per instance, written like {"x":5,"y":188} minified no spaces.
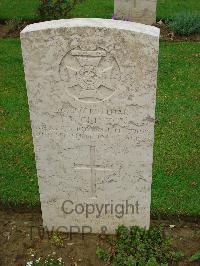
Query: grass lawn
{"x":176,"y":184}
{"x":26,"y":9}
{"x":104,"y":8}
{"x":17,"y":9}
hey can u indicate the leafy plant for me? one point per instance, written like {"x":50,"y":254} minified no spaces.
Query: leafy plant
{"x":185,"y":23}
{"x":102,"y":254}
{"x":178,"y":255}
{"x":55,"y":9}
{"x":139,"y":247}
{"x":195,"y":257}
{"x":57,"y":240}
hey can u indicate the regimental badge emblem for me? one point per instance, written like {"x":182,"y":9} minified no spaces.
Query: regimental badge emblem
{"x":90,"y":75}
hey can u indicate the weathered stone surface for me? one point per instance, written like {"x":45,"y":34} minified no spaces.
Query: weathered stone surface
{"x":142,"y":11}
{"x":92,"y":89}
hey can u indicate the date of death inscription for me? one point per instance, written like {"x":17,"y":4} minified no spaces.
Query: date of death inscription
{"x":108,"y":123}
{"x":95,"y":124}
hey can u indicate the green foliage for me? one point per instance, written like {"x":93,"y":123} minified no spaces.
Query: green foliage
{"x":139,"y":247}
{"x":178,"y":255}
{"x":55,"y":9}
{"x":195,"y":257}
{"x":102,"y":254}
{"x":26,"y":9}
{"x":57,"y":240}
{"x":153,"y":262}
{"x":185,"y":23}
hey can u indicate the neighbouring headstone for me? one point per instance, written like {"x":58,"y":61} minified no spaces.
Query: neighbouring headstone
{"x":142,"y":11}
{"x":92,"y":90}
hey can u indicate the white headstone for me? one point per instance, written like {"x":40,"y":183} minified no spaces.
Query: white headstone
{"x":142,"y":11}
{"x":92,"y":90}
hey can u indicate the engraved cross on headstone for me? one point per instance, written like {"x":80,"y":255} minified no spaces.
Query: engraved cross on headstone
{"x":93,"y":167}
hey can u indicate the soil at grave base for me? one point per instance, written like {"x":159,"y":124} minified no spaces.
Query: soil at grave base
{"x":4,"y":30}
{"x":165,"y":34}
{"x":17,"y":240}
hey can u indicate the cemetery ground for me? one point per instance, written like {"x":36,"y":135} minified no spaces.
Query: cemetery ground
{"x":22,"y":237}
{"x":176,"y":187}
{"x":26,"y":9}
{"x":175,"y":194}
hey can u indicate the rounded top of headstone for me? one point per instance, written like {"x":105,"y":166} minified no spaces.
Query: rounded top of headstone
{"x":93,"y":22}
